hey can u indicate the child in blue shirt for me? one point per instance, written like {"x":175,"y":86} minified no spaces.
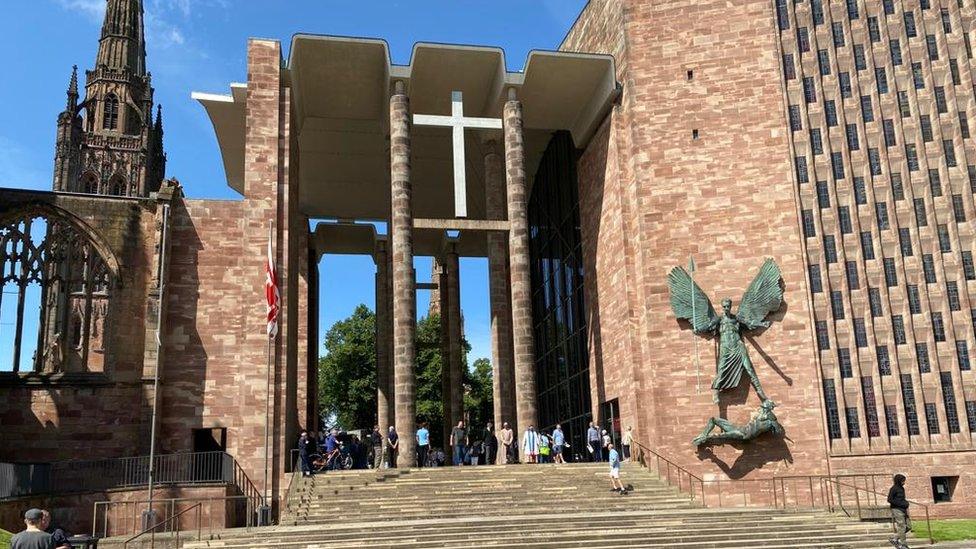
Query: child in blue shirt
{"x":614,"y":458}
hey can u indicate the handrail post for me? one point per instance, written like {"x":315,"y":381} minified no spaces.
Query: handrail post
{"x":928,"y":524}
{"x":857,"y":502}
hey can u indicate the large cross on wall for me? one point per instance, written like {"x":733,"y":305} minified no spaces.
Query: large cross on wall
{"x":458,"y":123}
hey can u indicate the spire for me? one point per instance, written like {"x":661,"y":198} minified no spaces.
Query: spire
{"x":73,"y":89}
{"x":159,"y":119}
{"x":123,"y":41}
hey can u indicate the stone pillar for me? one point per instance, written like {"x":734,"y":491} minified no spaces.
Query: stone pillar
{"x":518,"y":253}
{"x":440,"y":270}
{"x":500,"y":296}
{"x":453,"y":313}
{"x":404,"y":288}
{"x":384,"y":396}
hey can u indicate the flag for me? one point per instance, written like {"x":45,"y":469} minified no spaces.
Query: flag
{"x":271,"y":291}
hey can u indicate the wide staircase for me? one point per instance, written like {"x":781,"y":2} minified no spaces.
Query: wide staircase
{"x":528,"y":506}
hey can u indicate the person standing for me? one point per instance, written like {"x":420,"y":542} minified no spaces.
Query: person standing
{"x":605,"y":441}
{"x":626,"y":442}
{"x":376,"y":439}
{"x":33,"y":537}
{"x":615,"y":484}
{"x":530,"y":445}
{"x":423,"y":445}
{"x":303,"y":453}
{"x":899,"y":512}
{"x":545,"y":448}
{"x":491,"y":444}
{"x":59,"y":537}
{"x":558,"y":443}
{"x":459,"y":442}
{"x":594,"y":444}
{"x":508,"y":437}
{"x":392,"y":447}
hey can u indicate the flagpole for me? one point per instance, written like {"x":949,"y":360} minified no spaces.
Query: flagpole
{"x":264,"y":518}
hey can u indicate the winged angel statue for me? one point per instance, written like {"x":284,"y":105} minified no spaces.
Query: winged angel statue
{"x":764,"y":296}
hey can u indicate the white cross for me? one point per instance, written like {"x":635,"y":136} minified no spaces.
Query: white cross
{"x":458,"y":122}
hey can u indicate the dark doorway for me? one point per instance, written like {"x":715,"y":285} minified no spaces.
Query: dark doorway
{"x":610,"y":418}
{"x":213,"y":439}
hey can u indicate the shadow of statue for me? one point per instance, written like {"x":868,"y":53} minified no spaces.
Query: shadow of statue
{"x":755,"y":454}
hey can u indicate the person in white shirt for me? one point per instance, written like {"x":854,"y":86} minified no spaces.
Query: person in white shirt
{"x":626,"y":442}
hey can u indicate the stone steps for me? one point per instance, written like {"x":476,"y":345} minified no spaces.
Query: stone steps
{"x":528,"y":506}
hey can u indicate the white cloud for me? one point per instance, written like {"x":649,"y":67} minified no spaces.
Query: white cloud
{"x":160,"y":34}
{"x":93,"y":9}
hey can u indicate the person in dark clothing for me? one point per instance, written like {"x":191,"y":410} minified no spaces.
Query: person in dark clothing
{"x":376,"y":441}
{"x":491,"y":444}
{"x":59,"y":536}
{"x":899,"y":512}
{"x":306,"y":447}
{"x":392,"y":447}
{"x":33,"y":537}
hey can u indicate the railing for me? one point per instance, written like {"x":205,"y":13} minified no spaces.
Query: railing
{"x":123,"y":518}
{"x":176,"y":535}
{"x":104,"y":474}
{"x":672,"y":472}
{"x":870,"y":498}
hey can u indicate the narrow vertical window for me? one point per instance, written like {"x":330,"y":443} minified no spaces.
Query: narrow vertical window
{"x":891,"y":419}
{"x":881,"y":213}
{"x":837,"y":163}
{"x":958,"y":209}
{"x":897,"y":189}
{"x":950,"y":153}
{"x":852,"y":140}
{"x":946,"y":22}
{"x":884,"y":360}
{"x":809,"y":90}
{"x":816,"y":283}
{"x":938,"y":327}
{"x":852,"y":279}
{"x":968,"y":269}
{"x":823,"y":340}
{"x":949,"y":401}
{"x":912,"y":156}
{"x":801,"y":169}
{"x":935,"y":182}
{"x":852,"y":13}
{"x":110,"y":112}
{"x":844,"y":362}
{"x":823,"y":58}
{"x":816,"y":143}
{"x":908,"y":395}
{"x":898,"y":329}
{"x":921,"y":219}
{"x":816,"y":9}
{"x":945,"y":245}
{"x":830,"y":113}
{"x":853,"y":428}
{"x":796,"y":123}
{"x":926,"y":125}
{"x":870,"y":407}
{"x":940,"y":100}
{"x":932,"y":47}
{"x":888,"y":126}
{"x":928,"y":268}
{"x":922,"y":358}
{"x":963,"y":125}
{"x":844,"y":220}
{"x":962,"y":354}
{"x":830,"y":249}
{"x":931,"y":418}
{"x":837,"y":306}
{"x":838,"y":31}
{"x":860,"y":62}
{"x":954,"y":70}
{"x":874,"y":300}
{"x":830,"y":404}
{"x":882,"y":78}
{"x":910,"y":30}
{"x":895,"y":47}
{"x":971,"y":415}
{"x":782,"y":15}
{"x":802,"y":40}
{"x":873,"y":31}
{"x":874,"y":161}
{"x":867,"y":245}
{"x":789,"y":68}
{"x":952,"y":293}
{"x":903,"y":105}
{"x":905,"y":242}
{"x":971,"y":172}
{"x":860,"y":193}
{"x":889,"y":6}
{"x":844,"y":78}
{"x":914,"y":300}
{"x":891,"y":275}
{"x":809,"y":229}
{"x":860,"y":333}
{"x":823,"y":195}
{"x":917,"y":76}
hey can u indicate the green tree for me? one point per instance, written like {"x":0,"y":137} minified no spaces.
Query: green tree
{"x":478,"y":403}
{"x":347,"y":373}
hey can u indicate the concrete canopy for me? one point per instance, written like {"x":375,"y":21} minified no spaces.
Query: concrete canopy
{"x":341,"y":88}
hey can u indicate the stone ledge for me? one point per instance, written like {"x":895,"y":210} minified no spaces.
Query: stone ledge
{"x":40,"y":379}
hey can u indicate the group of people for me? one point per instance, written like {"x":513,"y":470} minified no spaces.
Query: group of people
{"x":37,"y":522}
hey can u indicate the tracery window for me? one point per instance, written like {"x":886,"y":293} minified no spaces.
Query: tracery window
{"x":110,"y":114}
{"x":52,"y":269}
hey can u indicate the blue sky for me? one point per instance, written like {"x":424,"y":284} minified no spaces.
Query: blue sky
{"x":199,"y":45}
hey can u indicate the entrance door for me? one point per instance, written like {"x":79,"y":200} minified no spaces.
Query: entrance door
{"x":610,"y":416}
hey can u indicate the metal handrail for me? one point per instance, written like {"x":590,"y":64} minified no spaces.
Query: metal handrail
{"x":152,"y":529}
{"x":857,"y":503}
{"x":679,"y":471}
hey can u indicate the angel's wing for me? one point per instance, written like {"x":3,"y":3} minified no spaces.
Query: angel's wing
{"x":689,"y":302}
{"x":764,"y":296}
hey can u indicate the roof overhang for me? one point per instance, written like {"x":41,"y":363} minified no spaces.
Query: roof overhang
{"x":340,"y":115}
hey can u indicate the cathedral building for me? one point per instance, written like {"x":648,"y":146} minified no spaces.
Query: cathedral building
{"x":832,"y":137}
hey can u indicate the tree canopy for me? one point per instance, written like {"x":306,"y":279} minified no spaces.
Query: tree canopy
{"x":347,"y":376}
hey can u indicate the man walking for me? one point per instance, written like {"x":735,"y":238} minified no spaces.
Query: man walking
{"x":615,"y":484}
{"x":459,"y":442}
{"x":558,"y":443}
{"x":33,"y":537}
{"x":899,"y":512}
{"x":508,"y":437}
{"x":626,"y":442}
{"x":594,"y":443}
{"x":491,"y":444}
{"x":376,"y":440}
{"x":423,"y":445}
{"x":303,"y":452}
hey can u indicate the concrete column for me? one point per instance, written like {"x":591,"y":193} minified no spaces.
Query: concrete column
{"x":404,"y":289}
{"x":453,"y":313}
{"x":500,"y":296}
{"x":384,"y":370}
{"x":440,"y":269}
{"x":518,"y":253}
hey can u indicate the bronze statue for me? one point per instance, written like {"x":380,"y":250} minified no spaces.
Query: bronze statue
{"x":763,"y":420}
{"x":764,"y":296}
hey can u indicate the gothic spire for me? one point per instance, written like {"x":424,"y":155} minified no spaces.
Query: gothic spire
{"x":159,"y":119}
{"x":73,"y":89}
{"x":123,"y":41}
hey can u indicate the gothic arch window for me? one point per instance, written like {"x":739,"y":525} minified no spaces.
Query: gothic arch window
{"x":89,"y":183}
{"x":58,"y":278}
{"x":110,"y":113}
{"x":118,"y":186}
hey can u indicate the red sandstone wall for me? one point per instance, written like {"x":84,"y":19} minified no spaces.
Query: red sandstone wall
{"x":651,"y":196}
